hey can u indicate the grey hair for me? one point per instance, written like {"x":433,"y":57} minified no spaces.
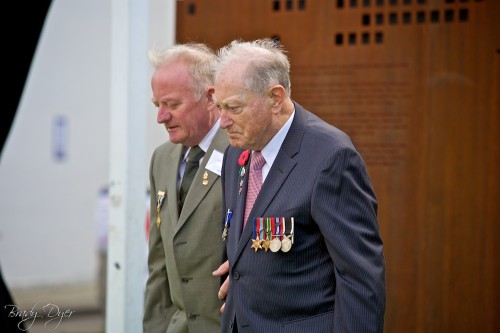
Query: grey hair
{"x":200,"y":60}
{"x":266,"y":61}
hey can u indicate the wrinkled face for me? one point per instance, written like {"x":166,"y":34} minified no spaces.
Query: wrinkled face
{"x":246,"y":116}
{"x":186,"y":120}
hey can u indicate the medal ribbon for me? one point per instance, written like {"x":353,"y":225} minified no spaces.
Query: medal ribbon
{"x":268,"y":227}
{"x":261,"y":228}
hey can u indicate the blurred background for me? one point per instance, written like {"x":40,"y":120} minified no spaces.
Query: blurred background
{"x":415,"y":83}
{"x":55,"y":157}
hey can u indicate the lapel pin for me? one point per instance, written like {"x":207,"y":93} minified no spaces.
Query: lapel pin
{"x":205,"y":178}
{"x":159,"y":202}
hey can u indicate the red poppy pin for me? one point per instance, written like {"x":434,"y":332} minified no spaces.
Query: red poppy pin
{"x":242,"y":161}
{"x":243,"y":158}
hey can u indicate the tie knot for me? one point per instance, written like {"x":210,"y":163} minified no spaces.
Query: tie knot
{"x":258,"y":160}
{"x":195,"y":153}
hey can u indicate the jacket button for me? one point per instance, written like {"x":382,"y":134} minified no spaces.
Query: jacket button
{"x":236,"y":275}
{"x":185,"y":279}
{"x":191,"y":316}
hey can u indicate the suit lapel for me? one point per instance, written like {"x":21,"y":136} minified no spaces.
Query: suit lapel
{"x":234,"y":199}
{"x":172,"y":165}
{"x":197,"y":192}
{"x":240,"y":202}
{"x":203,"y":180}
{"x":280,"y":170}
{"x":282,"y":166}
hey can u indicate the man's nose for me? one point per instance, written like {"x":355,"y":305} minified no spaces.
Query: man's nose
{"x":225,"y":120}
{"x":163,"y":115}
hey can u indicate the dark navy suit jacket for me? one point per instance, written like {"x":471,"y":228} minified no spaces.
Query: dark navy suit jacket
{"x":333,"y":278}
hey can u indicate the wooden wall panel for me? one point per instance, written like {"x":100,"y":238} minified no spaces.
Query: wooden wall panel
{"x":415,"y":83}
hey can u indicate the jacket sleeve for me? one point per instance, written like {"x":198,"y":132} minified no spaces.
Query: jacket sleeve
{"x":345,"y":208}
{"x":158,"y":307}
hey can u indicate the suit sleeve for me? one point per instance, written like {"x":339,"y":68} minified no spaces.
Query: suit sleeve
{"x":158,"y":307}
{"x":345,"y":208}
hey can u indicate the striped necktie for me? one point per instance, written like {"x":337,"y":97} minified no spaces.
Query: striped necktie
{"x":254,"y":182}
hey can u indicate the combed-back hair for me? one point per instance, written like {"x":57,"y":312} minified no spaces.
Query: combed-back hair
{"x":267,"y":63}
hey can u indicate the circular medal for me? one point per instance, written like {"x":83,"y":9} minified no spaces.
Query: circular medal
{"x":275,"y":245}
{"x":286,"y":244}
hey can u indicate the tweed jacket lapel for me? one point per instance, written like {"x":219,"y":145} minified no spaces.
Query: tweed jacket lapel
{"x":172,"y":165}
{"x":203,"y":180}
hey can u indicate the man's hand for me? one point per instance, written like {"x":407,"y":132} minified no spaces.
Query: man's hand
{"x":222,"y":270}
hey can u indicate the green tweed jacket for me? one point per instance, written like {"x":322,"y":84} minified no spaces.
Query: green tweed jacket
{"x":181,"y":293}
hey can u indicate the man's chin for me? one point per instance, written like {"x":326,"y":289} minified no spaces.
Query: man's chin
{"x":235,"y":142}
{"x":175,"y":138}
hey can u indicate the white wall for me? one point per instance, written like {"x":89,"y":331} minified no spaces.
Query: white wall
{"x":48,"y":232}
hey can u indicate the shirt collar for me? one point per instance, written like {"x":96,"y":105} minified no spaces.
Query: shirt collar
{"x":270,"y":151}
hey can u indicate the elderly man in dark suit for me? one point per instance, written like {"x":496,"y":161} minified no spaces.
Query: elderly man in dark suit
{"x":309,"y":256}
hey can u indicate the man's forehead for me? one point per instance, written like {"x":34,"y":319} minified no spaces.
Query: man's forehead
{"x":231,"y":96}
{"x":220,"y":99}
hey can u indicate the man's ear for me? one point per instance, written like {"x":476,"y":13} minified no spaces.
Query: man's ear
{"x":277,"y":95}
{"x":210,"y":98}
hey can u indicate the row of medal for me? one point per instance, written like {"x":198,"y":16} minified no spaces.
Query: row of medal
{"x":273,"y":233}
